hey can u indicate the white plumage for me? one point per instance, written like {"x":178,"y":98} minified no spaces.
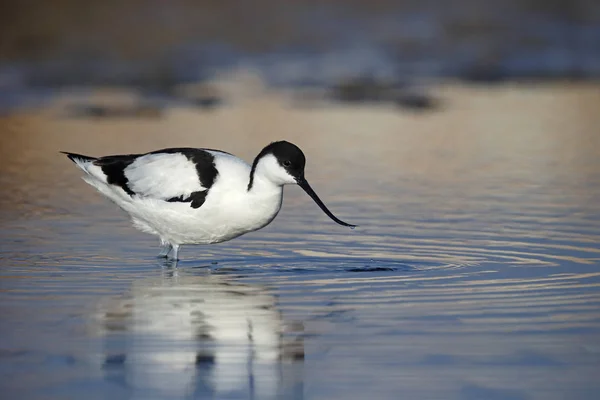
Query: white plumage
{"x":198,"y":196}
{"x":163,"y":176}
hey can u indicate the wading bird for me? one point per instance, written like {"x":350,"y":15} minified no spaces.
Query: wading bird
{"x":198,"y":196}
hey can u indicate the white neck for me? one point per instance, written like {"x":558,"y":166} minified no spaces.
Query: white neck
{"x":269,"y":175}
{"x":263,"y":187}
{"x":264,"y":198}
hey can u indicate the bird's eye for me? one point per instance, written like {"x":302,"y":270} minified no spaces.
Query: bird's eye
{"x":287,"y":163}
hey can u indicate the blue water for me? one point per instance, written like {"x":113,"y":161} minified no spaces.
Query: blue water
{"x":474,"y":273}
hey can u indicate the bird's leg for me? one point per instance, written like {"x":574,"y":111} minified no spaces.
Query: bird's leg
{"x":166,"y":249}
{"x":173,"y":255}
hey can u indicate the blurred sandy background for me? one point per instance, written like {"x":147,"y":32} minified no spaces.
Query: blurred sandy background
{"x":431,"y":87}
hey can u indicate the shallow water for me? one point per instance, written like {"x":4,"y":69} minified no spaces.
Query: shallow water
{"x":474,"y":273}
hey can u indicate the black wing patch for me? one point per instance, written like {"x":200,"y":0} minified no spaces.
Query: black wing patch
{"x":114,"y":169}
{"x":196,"y":199}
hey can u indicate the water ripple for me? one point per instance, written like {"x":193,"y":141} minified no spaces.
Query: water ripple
{"x":474,"y":272}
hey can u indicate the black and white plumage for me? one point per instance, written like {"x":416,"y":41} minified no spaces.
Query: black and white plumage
{"x":198,"y":196}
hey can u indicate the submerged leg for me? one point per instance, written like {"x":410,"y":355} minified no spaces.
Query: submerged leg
{"x":166,"y":249}
{"x":173,"y":255}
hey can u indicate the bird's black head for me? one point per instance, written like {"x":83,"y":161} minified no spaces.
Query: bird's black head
{"x":289,"y":156}
{"x":283,"y":163}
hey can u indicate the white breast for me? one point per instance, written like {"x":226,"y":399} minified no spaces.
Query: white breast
{"x":232,"y":208}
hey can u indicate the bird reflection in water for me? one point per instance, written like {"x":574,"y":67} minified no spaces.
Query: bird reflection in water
{"x":184,"y":335}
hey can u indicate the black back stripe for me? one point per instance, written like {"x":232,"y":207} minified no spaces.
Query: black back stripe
{"x":205,"y":167}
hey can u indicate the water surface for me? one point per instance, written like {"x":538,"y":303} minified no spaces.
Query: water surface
{"x":474,"y":273}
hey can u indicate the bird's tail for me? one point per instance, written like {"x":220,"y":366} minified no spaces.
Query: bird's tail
{"x":83,"y":162}
{"x":79,"y":158}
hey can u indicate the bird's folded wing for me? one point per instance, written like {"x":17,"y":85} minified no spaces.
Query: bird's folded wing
{"x":163,"y":176}
{"x":171,"y":174}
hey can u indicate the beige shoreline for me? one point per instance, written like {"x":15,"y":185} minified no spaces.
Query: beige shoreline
{"x":545,"y":132}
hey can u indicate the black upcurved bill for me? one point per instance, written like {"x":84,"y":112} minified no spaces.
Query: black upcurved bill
{"x":304,"y":185}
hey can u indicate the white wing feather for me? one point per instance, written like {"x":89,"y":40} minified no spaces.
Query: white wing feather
{"x":163,"y":176}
